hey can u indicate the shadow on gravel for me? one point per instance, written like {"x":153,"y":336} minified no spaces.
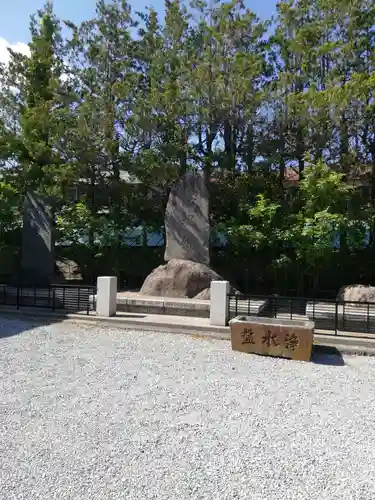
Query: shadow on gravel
{"x":324,"y":355}
{"x":11,"y":325}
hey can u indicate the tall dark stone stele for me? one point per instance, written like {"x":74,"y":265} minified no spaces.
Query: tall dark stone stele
{"x":38,"y":260}
{"x":187,"y":222}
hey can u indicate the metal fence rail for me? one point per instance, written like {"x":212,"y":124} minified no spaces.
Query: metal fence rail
{"x":71,"y":298}
{"x":330,"y":316}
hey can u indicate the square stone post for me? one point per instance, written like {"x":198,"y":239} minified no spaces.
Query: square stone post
{"x":219,"y":303}
{"x":106,"y":296}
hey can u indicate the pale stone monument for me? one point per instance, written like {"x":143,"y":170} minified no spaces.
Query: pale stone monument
{"x":38,"y":261}
{"x":187,"y":223}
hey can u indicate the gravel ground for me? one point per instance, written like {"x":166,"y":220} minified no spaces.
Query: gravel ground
{"x":97,"y":413}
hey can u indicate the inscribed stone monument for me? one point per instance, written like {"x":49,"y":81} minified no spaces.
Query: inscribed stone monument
{"x":187,"y":224}
{"x":291,"y":339}
{"x":37,"y":241}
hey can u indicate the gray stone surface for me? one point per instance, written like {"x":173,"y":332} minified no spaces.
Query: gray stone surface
{"x":357,"y":293}
{"x":68,"y":270}
{"x":187,"y":222}
{"x":179,"y":278}
{"x":91,"y":413}
{"x":37,"y":241}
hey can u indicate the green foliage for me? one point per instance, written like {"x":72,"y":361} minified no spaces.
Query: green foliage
{"x":323,"y":216}
{"x":262,"y":230}
{"x":310,"y":234}
{"x":73,"y":222}
{"x":279,"y":116}
{"x":9,"y":207}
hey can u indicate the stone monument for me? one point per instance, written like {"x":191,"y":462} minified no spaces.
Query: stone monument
{"x":187,"y":224}
{"x":187,"y":227}
{"x":38,"y":261}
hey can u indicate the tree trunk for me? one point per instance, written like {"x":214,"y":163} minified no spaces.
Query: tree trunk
{"x":230,"y":146}
{"x":249,"y":153}
{"x":300,"y":151}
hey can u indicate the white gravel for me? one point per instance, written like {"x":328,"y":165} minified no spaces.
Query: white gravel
{"x":96,"y":413}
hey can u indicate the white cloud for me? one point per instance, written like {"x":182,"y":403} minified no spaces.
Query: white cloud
{"x":17,"y":47}
{"x":21,"y":47}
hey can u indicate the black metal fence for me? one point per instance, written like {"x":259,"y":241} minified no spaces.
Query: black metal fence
{"x":331,"y":317}
{"x":70,"y":298}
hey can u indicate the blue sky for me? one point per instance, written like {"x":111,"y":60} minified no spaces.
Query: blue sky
{"x":14,"y":14}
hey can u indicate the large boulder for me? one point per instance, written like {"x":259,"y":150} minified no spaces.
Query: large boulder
{"x":68,"y":270}
{"x":179,"y":278}
{"x":357,"y":293}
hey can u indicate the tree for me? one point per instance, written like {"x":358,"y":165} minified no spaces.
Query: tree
{"x":124,"y":105}
{"x":29,"y":102}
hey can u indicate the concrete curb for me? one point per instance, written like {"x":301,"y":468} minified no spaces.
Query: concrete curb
{"x":130,"y":322}
{"x":347,"y":345}
{"x":344,"y":344}
{"x":215,"y":332}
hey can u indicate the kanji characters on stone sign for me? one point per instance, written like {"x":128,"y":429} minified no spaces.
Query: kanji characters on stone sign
{"x":291,"y":341}
{"x":248,"y":336}
{"x":270,"y":338}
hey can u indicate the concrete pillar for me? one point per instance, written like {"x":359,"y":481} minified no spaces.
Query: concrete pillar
{"x":219,"y":303}
{"x":106,"y":296}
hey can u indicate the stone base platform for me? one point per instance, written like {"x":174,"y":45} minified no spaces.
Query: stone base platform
{"x":136,"y":303}
{"x":132,"y":302}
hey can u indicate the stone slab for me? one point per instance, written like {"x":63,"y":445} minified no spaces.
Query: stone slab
{"x":252,"y":307}
{"x":134,"y":303}
{"x":272,"y":337}
{"x":38,"y":262}
{"x":187,"y":224}
{"x":165,"y":302}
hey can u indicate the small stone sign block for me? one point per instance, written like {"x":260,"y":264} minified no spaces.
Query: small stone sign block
{"x":292,"y":339}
